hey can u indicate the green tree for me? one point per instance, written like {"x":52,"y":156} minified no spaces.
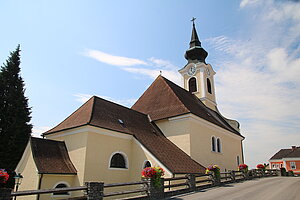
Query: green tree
{"x":15,"y":129}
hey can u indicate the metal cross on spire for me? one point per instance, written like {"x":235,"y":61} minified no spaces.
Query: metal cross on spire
{"x":193,"y":20}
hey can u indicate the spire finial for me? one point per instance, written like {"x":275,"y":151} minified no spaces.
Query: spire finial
{"x":193,"y":20}
{"x":195,"y":53}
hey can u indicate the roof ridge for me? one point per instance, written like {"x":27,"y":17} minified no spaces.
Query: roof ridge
{"x":166,"y":81}
{"x":208,"y":110}
{"x":120,"y":105}
{"x":69,"y":116}
{"x":145,"y":91}
{"x":92,"y":112}
{"x":223,"y":120}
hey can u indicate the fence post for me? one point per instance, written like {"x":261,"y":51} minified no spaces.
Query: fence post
{"x":5,"y":193}
{"x":232,"y":176}
{"x":156,"y":192}
{"x":191,"y":181}
{"x":216,"y":179}
{"x":94,"y":190}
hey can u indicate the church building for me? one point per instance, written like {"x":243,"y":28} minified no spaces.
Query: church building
{"x":178,"y":129}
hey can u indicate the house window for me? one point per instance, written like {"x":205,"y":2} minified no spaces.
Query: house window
{"x":192,"y":84}
{"x":293,"y":165}
{"x":213,"y":144}
{"x":208,"y":86}
{"x":219,"y":145}
{"x":147,"y":164}
{"x":238,"y":160}
{"x":273,"y":166}
{"x":118,"y":161}
{"x":61,"y":185}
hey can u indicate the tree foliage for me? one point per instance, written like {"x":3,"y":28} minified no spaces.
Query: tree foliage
{"x":15,"y":129}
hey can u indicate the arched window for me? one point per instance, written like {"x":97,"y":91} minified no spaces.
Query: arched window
{"x":118,"y":161}
{"x":218,"y":145}
{"x":192,"y":84}
{"x":208,"y":85}
{"x":61,"y":185}
{"x":213,"y":144}
{"x":147,"y":164}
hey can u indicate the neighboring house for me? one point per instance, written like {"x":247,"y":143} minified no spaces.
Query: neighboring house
{"x":178,"y":129}
{"x":288,"y":159}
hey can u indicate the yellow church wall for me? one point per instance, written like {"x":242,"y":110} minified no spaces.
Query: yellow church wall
{"x":49,"y":181}
{"x":178,"y":132}
{"x":29,"y":172}
{"x":199,"y":146}
{"x":100,"y":148}
{"x":76,"y":141}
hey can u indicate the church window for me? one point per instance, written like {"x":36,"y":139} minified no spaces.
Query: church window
{"x":61,"y":185}
{"x":208,"y":86}
{"x":147,"y":164}
{"x":219,"y":145}
{"x":213,"y":144}
{"x":193,"y":84}
{"x":118,"y":161}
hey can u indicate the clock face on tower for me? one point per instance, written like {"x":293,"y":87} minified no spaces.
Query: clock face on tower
{"x":192,"y":70}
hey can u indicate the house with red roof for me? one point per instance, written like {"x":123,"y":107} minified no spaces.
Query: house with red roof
{"x":179,"y":129}
{"x":288,"y":159}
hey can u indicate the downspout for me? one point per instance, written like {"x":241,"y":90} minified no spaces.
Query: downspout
{"x":242,"y":151}
{"x":39,"y":185}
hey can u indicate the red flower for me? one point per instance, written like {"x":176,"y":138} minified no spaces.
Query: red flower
{"x":243,"y":166}
{"x":260,"y":166}
{"x":151,"y":172}
{"x":3,"y":176}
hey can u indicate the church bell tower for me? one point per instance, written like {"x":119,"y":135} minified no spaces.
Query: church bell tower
{"x":198,"y":77}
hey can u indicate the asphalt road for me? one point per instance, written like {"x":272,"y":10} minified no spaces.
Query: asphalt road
{"x":271,"y":188}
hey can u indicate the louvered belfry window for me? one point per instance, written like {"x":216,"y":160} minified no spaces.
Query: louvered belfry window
{"x":192,"y":84}
{"x":118,"y":161}
{"x":208,"y":86}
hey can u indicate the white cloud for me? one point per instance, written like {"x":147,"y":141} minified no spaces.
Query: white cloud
{"x":82,"y":98}
{"x":172,"y":75}
{"x":258,"y":81}
{"x":245,"y":3}
{"x":112,"y":59}
{"x":125,"y":102}
{"x":37,"y":131}
{"x":152,"y":67}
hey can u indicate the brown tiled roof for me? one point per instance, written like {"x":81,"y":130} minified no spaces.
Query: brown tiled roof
{"x":104,"y":114}
{"x":164,"y":99}
{"x":51,"y":157}
{"x":287,"y":153}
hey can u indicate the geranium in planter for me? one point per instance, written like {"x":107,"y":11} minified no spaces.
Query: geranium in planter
{"x":261,"y":167}
{"x":243,"y":168}
{"x":154,"y":173}
{"x":3,"y":176}
{"x":215,"y":169}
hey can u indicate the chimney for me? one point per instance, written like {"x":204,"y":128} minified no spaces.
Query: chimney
{"x":293,"y":148}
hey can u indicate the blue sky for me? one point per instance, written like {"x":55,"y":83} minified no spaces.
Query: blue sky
{"x":115,"y":49}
